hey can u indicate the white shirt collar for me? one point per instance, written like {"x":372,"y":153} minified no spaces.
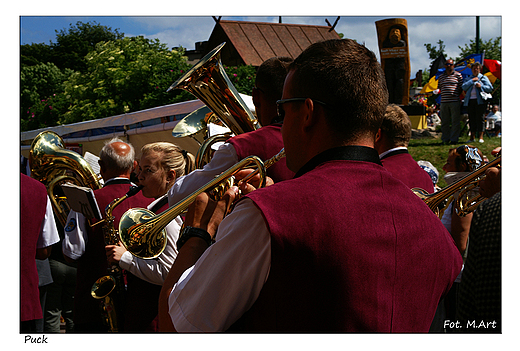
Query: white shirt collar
{"x":390,"y":150}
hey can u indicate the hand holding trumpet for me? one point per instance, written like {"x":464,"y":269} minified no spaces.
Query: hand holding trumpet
{"x":491,"y":183}
{"x":206,"y":213}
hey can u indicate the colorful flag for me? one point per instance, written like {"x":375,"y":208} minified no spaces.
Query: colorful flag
{"x":464,"y":66}
{"x":494,"y":67}
{"x":430,"y":86}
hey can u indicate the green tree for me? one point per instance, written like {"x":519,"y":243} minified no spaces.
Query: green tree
{"x":242,"y":77}
{"x":39,"y":86}
{"x":33,"y":54}
{"x":433,"y":51}
{"x":74,"y":44}
{"x":70,"y":47}
{"x":492,"y":49}
{"x":124,"y":75}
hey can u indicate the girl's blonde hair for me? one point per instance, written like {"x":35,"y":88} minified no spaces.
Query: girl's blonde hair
{"x":181,"y":161}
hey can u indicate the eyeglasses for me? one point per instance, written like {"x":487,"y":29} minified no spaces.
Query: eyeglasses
{"x":449,"y":64}
{"x":281,"y":111}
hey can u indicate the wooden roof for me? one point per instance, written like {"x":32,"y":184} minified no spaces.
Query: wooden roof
{"x":252,"y":43}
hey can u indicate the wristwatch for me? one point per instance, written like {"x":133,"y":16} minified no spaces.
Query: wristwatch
{"x":189,"y":232}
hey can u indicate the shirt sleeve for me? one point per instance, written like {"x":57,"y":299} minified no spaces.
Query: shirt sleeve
{"x":155,"y":270}
{"x":227,"y":279}
{"x":224,"y":158}
{"x":49,"y":232}
{"x":76,"y":237}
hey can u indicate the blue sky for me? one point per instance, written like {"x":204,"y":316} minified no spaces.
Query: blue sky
{"x":185,"y":30}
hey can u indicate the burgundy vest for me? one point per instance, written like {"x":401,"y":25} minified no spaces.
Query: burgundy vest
{"x":142,"y":298}
{"x":265,"y":143}
{"x":352,"y":250}
{"x":33,"y":203}
{"x":93,"y":264}
{"x":405,"y":168}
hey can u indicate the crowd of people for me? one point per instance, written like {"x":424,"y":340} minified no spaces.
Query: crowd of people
{"x":468,"y":97}
{"x":337,"y":241}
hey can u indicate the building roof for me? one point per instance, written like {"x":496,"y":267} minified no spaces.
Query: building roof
{"x":251,"y":43}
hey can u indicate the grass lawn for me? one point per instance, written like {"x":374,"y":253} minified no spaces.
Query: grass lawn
{"x":430,"y":149}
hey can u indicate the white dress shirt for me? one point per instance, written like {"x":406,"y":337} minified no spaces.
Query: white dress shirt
{"x":49,"y":232}
{"x":227,"y":279}
{"x":155,"y":270}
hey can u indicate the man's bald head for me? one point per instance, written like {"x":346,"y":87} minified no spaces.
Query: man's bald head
{"x":117,"y":159}
{"x":121,"y":148}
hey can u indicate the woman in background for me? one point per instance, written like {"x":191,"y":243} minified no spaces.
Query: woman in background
{"x":476,"y":104}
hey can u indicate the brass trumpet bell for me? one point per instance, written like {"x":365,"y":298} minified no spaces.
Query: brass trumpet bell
{"x":139,"y":242}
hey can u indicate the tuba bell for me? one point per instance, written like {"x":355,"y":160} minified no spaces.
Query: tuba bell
{"x":53,"y":165}
{"x":208,"y":81}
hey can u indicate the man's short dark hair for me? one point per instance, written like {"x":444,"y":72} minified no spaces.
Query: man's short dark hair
{"x":397,"y":125}
{"x":270,"y":76}
{"x":348,"y":78}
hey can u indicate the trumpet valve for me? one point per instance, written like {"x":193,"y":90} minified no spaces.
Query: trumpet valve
{"x":218,"y":191}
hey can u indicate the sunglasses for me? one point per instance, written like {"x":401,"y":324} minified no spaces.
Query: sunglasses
{"x":449,"y":64}
{"x":281,"y":111}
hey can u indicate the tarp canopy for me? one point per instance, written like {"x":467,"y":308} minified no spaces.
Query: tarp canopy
{"x":118,"y":123}
{"x":156,"y":118}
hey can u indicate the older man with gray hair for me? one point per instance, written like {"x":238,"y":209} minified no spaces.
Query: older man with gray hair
{"x":85,"y":243}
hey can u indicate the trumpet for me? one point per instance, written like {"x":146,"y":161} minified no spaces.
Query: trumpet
{"x":465,"y":204}
{"x":139,"y":232}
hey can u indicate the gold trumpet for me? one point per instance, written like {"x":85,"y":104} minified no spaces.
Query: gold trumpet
{"x":52,"y":165}
{"x":140,"y":231}
{"x":465,"y":204}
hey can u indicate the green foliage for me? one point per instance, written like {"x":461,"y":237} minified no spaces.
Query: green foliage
{"x":33,"y":54}
{"x":433,"y":51}
{"x":492,"y":48}
{"x":73,"y":45}
{"x":124,"y":75}
{"x":242,"y":77}
{"x":39,"y":86}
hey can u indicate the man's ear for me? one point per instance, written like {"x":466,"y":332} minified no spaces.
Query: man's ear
{"x":135,"y":166}
{"x":311,"y":113}
{"x":101,"y":166}
{"x":378,"y":135}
